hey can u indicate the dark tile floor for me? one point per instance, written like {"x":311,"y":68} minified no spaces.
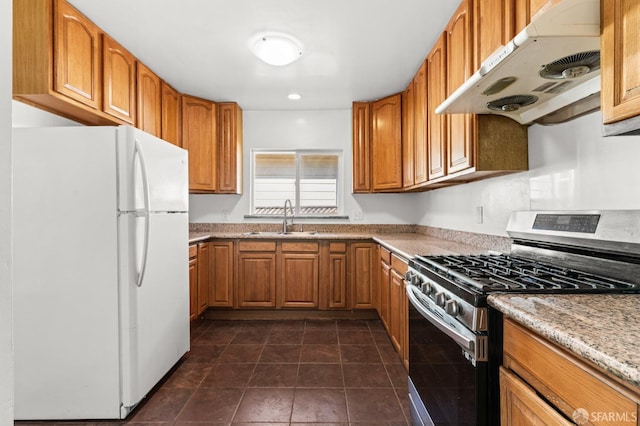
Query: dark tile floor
{"x":273,"y":373}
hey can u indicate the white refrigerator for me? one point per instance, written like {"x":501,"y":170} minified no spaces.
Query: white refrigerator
{"x":101,"y":293}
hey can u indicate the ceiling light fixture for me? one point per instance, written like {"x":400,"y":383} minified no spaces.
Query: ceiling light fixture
{"x":277,"y":49}
{"x":294,"y":96}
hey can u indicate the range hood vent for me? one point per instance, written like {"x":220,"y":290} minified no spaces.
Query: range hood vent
{"x":552,"y":64}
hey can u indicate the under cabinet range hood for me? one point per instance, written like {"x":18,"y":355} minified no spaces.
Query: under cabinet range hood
{"x":553,"y":64}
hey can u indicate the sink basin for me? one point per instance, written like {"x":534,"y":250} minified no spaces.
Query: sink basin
{"x":275,"y":233}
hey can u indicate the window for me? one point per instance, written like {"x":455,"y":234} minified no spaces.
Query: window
{"x":310,"y":179}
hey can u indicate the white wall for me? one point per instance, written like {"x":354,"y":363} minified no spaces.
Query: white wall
{"x":6,"y":293}
{"x":302,"y":129}
{"x":571,"y":166}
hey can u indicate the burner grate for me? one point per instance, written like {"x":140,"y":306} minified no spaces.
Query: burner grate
{"x":506,"y":273}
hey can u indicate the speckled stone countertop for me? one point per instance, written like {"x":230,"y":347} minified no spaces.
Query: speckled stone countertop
{"x":400,"y":239}
{"x":604,"y":329}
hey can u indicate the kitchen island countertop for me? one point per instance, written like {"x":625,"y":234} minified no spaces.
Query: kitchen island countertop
{"x":603,"y":329}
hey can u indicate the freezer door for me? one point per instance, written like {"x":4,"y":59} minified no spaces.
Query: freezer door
{"x":153,"y":174}
{"x":154,"y":315}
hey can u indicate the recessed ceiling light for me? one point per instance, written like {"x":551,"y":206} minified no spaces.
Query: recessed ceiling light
{"x":294,"y":96}
{"x":276,"y":48}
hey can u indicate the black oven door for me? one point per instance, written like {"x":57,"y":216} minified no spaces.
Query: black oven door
{"x":447,"y":368}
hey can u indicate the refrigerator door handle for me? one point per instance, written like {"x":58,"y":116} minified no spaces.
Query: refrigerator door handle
{"x":145,"y":213}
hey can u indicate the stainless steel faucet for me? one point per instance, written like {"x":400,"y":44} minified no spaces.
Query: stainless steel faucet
{"x":284,"y":222}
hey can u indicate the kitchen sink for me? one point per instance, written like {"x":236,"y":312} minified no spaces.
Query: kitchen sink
{"x":280,"y":233}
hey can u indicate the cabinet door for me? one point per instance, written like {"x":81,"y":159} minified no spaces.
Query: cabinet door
{"x":361,"y":147}
{"x":257,"y":280}
{"x":386,"y":143}
{"x":193,"y":288}
{"x":299,"y":280}
{"x":149,"y":101}
{"x":119,"y":81}
{"x":199,"y":138}
{"x":520,"y":405}
{"x":436,"y":94}
{"x":459,"y":69}
{"x":525,"y":10}
{"x":493,"y":27}
{"x":203,"y":277}
{"x":385,"y":284}
{"x":363,"y":275}
{"x":420,"y":125}
{"x":620,"y":48}
{"x":396,"y":313}
{"x":77,"y":56}
{"x":408,"y":136}
{"x":221,"y":278}
{"x":171,"y":110}
{"x":229,"y":148}
{"x":337,"y":281}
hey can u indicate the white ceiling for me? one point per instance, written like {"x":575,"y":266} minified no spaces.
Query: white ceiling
{"x":354,"y":49}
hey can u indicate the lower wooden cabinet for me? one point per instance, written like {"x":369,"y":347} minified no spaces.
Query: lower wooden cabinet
{"x":393,"y":306}
{"x":256,"y":274}
{"x":299,"y":276}
{"x":193,"y":282}
{"x":221,"y":279}
{"x":203,"y":277}
{"x":333,"y":275}
{"x":363,"y":289}
{"x":542,"y":383}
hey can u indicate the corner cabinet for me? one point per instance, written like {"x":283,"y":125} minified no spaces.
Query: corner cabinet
{"x":361,"y":147}
{"x":620,"y":50}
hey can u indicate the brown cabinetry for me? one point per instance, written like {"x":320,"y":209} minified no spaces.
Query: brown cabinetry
{"x":298,"y":284}
{"x":118,"y":81}
{"x":540,"y":380}
{"x":493,"y":27}
{"x":199,"y":137}
{"x":193,"y":282}
{"x":171,"y":122}
{"x":525,"y":10}
{"x":333,"y":275}
{"x":229,"y":161}
{"x":361,"y":147}
{"x":386,"y":144}
{"x":203,"y":277}
{"x":221,"y":279}
{"x":393,"y":304}
{"x":257,"y":274}
{"x":149,"y":101}
{"x":436,"y":94}
{"x":620,"y":50}
{"x":408,"y":136}
{"x":363,"y":277}
{"x":420,"y":126}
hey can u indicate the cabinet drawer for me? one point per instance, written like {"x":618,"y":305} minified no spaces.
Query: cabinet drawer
{"x":193,"y":251}
{"x":257,"y":246}
{"x":306,"y":246}
{"x":337,"y":247}
{"x":385,"y":255}
{"x":563,"y":379}
{"x":398,"y":264}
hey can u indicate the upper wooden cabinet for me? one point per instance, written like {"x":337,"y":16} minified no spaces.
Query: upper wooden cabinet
{"x":620,"y":59}
{"x":493,"y":26}
{"x":57,"y":61}
{"x":526,"y":9}
{"x":171,"y":110}
{"x":229,"y":148}
{"x":199,"y":137}
{"x":119,"y":81}
{"x":459,"y":68}
{"x":420,"y":126}
{"x":386,"y":144}
{"x":361,"y":146}
{"x":408,"y":136}
{"x":436,"y":93}
{"x":149,"y":112}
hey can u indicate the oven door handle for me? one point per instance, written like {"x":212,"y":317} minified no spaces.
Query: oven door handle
{"x":463,"y":341}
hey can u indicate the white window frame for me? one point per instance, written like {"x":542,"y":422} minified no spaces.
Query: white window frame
{"x":299,"y":152}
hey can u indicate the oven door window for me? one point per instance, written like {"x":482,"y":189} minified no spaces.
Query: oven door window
{"x":452,"y":389}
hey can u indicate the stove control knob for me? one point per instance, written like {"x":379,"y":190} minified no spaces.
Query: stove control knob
{"x":416,"y":280}
{"x":426,"y":287}
{"x":408,"y":276}
{"x":451,"y":307}
{"x":441,"y":299}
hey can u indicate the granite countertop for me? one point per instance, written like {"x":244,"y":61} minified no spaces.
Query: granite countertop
{"x":604,"y":329}
{"x":406,"y":245}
